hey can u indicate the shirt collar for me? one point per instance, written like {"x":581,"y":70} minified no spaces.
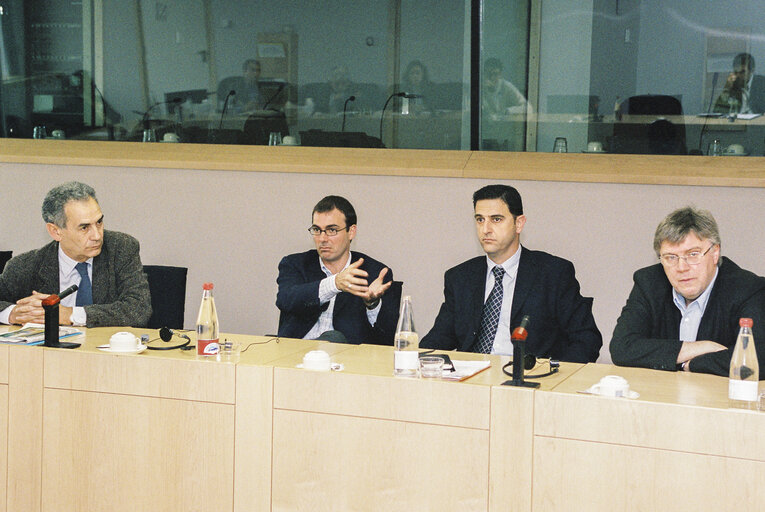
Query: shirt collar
{"x":328,"y":271}
{"x":701,"y":301}
{"x":510,"y":265}
{"x":66,"y":264}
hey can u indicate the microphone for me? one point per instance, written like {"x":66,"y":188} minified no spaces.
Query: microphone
{"x":50,"y":305}
{"x":345,"y":107}
{"x":278,"y":90}
{"x":232,"y":92}
{"x":53,"y":299}
{"x":394,"y":95}
{"x":145,"y":117}
{"x":520,"y":360}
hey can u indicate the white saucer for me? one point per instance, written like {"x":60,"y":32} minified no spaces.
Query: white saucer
{"x":631,"y":394}
{"x":137,"y":350}
{"x":335,"y":367}
{"x":735,"y":154}
{"x":586,"y":151}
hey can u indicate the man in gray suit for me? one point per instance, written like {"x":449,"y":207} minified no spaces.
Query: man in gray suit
{"x":105,"y":265}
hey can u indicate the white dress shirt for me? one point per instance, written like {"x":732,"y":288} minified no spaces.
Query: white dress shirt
{"x":692,"y":313}
{"x":327,"y":293}
{"x":502,"y":344}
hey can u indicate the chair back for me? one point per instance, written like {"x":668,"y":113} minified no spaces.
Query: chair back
{"x":4,"y":257}
{"x":167,"y":286}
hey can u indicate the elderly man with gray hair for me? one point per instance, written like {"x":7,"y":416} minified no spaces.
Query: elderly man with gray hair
{"x":683,"y":312}
{"x":105,"y":265}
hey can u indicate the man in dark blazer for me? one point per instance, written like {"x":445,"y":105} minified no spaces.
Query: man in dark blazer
{"x":332,"y":293}
{"x":117,"y":292}
{"x":533,"y":283}
{"x":684,"y":312}
{"x":743,"y":91}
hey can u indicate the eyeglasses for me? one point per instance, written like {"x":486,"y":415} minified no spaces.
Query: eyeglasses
{"x":330,"y":231}
{"x":692,"y":258}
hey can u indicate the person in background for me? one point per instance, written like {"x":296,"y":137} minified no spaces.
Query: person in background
{"x":416,"y":81}
{"x":498,"y":96}
{"x":332,"y":293}
{"x":485,"y":297}
{"x":105,"y":265}
{"x":683,"y":312}
{"x":743,"y":92}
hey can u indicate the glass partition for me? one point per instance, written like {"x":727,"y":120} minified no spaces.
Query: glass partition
{"x":618,"y":76}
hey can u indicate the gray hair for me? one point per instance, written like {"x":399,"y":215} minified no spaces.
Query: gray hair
{"x":678,"y":224}
{"x":56,"y":199}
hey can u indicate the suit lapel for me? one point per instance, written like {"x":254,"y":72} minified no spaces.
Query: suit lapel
{"x":477,"y":290}
{"x":48,"y":271}
{"x":524,"y":282}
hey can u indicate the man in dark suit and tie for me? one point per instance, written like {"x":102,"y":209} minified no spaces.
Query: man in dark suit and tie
{"x":105,"y":265}
{"x":332,"y":293}
{"x":683,"y":313}
{"x":485,"y":297}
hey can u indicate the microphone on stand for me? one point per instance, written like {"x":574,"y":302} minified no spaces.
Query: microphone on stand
{"x":345,"y":107}
{"x":520,"y":363}
{"x":278,"y":90}
{"x":50,"y":306}
{"x":145,"y":118}
{"x":394,"y":95}
{"x":232,"y":92}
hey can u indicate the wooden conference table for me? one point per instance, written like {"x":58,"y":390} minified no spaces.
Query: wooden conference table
{"x":89,"y":430}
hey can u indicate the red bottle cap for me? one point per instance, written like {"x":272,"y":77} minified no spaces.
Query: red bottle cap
{"x":207,"y":286}
{"x":745,"y":322}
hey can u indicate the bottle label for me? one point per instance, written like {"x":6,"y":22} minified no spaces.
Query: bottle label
{"x":207,"y":347}
{"x":406,"y":359}
{"x":742,"y":390}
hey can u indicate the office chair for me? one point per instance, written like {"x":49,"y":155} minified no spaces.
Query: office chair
{"x":167,"y":286}
{"x":659,"y":136}
{"x":4,"y":257}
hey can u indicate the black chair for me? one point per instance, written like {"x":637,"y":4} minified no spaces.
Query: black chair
{"x":4,"y":257}
{"x":258,"y":127}
{"x":168,"y":295}
{"x":660,"y":136}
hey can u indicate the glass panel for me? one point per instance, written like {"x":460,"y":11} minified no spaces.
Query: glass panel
{"x":621,"y":76}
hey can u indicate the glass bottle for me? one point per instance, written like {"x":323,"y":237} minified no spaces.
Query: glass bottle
{"x":406,"y":342}
{"x":207,"y":324}
{"x":744,"y":369}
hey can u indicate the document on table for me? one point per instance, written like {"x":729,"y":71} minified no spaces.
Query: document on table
{"x":465,"y":369}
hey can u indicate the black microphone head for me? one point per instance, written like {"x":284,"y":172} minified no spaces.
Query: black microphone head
{"x":165,"y":334}
{"x":352,"y":98}
{"x":232,"y":92}
{"x":411,"y":96}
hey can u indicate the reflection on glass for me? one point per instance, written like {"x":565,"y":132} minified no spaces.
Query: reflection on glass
{"x":233,"y":72}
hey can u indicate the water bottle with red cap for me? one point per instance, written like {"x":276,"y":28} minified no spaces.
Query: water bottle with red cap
{"x":744,"y":369}
{"x":207,"y":325}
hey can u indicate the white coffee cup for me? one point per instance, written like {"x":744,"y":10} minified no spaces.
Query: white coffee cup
{"x":594,"y":147}
{"x":735,"y":149}
{"x":611,"y":385}
{"x":171,"y":137}
{"x":317,"y":360}
{"x":289,"y":140}
{"x":123,"y":342}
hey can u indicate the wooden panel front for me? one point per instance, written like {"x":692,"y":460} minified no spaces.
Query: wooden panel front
{"x":328,"y":462}
{"x":581,"y":475}
{"x":118,"y":452}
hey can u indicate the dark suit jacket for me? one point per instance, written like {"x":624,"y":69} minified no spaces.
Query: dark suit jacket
{"x":756,"y":97}
{"x":647,"y":333}
{"x":120,"y":289}
{"x":562,"y":325}
{"x":298,"y":301}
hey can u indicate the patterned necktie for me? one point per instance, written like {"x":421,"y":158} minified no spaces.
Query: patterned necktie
{"x":85,"y":290}
{"x":490,"y":315}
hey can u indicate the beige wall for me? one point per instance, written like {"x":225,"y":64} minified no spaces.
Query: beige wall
{"x":232,"y":228}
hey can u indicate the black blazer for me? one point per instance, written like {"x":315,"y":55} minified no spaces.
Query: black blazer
{"x":299,"y":307}
{"x":647,"y":333}
{"x":546,"y":289}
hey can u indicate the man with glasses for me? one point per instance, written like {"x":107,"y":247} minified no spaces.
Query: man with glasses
{"x":487,"y":296}
{"x":683,"y":312}
{"x":332,"y":293}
